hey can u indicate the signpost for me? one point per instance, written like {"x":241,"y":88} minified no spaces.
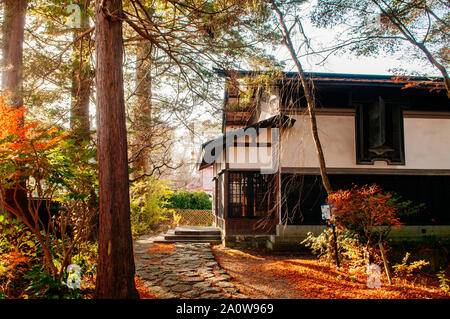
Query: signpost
{"x":327,"y":216}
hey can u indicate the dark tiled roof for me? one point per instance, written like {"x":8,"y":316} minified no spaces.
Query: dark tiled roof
{"x":281,"y":121}
{"x":350,"y":79}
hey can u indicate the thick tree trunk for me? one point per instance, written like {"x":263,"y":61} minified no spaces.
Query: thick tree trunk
{"x":13,"y":34}
{"x":142,"y":113}
{"x":115,"y":272}
{"x":82,"y":78}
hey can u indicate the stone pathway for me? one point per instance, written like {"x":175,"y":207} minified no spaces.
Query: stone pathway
{"x":190,"y":271}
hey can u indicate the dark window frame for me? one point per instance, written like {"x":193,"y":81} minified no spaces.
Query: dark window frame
{"x":391,"y":130}
{"x":251,"y":194}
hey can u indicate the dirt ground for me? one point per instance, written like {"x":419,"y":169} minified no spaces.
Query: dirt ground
{"x":262,"y":273}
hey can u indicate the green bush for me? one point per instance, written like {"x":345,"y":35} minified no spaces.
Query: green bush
{"x":23,"y":274}
{"x":189,"y":200}
{"x":148,"y":204}
{"x":44,"y":286}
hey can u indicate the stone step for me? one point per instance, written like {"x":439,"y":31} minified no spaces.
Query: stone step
{"x":191,"y":237}
{"x":163,"y":240}
{"x":192,"y":230}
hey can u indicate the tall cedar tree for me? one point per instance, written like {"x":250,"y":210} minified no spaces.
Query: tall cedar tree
{"x":115,"y":272}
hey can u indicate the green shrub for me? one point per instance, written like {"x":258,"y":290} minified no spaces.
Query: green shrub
{"x":189,"y":200}
{"x":148,"y":204}
{"x":44,"y":286}
{"x":349,"y":247}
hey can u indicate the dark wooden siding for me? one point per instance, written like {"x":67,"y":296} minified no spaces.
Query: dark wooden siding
{"x":302,"y":195}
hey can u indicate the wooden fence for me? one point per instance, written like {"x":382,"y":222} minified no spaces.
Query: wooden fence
{"x":191,"y":217}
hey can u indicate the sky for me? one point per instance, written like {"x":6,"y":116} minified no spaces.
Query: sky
{"x":382,"y":64}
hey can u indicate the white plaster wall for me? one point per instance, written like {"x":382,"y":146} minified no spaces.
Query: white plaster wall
{"x":427,"y":143}
{"x":252,"y":157}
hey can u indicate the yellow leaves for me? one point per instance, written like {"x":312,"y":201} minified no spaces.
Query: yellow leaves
{"x":30,"y":243}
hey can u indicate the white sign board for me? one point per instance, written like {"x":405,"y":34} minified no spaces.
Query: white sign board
{"x":326,"y":212}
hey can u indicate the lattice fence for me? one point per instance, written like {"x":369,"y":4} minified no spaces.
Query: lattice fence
{"x":191,"y":217}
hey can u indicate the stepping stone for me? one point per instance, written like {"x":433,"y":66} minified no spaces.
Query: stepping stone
{"x":173,"y":277}
{"x":169,"y":283}
{"x":212,"y":264}
{"x":212,"y":296}
{"x":191,"y":294}
{"x":148,"y":276}
{"x":188,"y":258}
{"x":165,"y":272}
{"x":240,"y":296}
{"x":208,"y":259}
{"x":203,"y":284}
{"x":169,"y":295}
{"x":185,"y":269}
{"x":225,"y":284}
{"x":158,"y":291}
{"x":209,"y":290}
{"x":181,"y":288}
{"x":190,"y":274}
{"x":193,"y":279}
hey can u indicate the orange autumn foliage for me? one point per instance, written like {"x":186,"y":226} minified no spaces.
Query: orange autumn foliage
{"x":162,"y":248}
{"x":10,"y":262}
{"x":144,"y":292}
{"x":21,"y":141}
{"x":363,"y":210}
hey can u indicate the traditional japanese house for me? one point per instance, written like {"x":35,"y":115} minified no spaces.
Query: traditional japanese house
{"x":392,"y":131}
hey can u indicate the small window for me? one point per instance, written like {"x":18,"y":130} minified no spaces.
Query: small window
{"x":379,"y":133}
